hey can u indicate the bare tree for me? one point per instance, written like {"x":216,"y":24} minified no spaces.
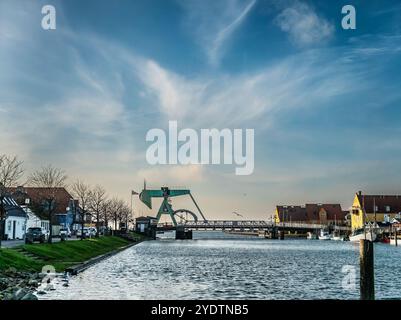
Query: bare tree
{"x":126,"y":215}
{"x":48,"y":179}
{"x":97,"y":199}
{"x":11,"y":171}
{"x":82,"y":193}
{"x":106,"y":212}
{"x":116,"y":207}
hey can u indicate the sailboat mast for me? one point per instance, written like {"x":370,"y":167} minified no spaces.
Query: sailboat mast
{"x":374,"y":208}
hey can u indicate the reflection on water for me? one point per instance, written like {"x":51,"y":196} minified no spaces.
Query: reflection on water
{"x":217,"y":266}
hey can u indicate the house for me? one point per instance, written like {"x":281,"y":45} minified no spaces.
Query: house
{"x":347,"y":217}
{"x":310,"y":213}
{"x":15,"y":220}
{"x":396,"y":220}
{"x":34,"y":221}
{"x":396,"y":223}
{"x":374,"y":209}
{"x":64,"y":210}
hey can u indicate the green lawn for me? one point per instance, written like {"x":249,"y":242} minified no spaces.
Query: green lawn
{"x":61,"y":254}
{"x":11,"y":258}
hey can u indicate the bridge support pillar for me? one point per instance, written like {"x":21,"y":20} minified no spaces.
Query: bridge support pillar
{"x":182,"y":234}
{"x":281,"y":234}
{"x":273,"y":233}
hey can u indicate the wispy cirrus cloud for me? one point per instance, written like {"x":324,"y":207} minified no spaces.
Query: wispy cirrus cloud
{"x":303,"y":25}
{"x":214,"y":23}
{"x":174,"y":94}
{"x":237,"y":100}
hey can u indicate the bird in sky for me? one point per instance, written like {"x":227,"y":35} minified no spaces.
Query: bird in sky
{"x":237,"y":214}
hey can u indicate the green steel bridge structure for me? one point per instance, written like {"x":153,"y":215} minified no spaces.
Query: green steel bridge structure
{"x":166,"y":208}
{"x":190,"y":220}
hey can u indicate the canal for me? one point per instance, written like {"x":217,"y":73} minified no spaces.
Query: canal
{"x":215,"y":265}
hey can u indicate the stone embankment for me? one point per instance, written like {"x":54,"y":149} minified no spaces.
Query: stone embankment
{"x":16,"y":285}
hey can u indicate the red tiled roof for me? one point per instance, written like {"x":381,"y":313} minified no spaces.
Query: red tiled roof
{"x":297,"y":213}
{"x":334,"y":211}
{"x":380,"y":201}
{"x":36,"y":196}
{"x":310,"y":212}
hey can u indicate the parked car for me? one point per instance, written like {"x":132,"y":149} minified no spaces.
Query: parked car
{"x":92,"y":231}
{"x":36,"y":234}
{"x":88,"y":232}
{"x":79,"y":232}
{"x":65,"y":232}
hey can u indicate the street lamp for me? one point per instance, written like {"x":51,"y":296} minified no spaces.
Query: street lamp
{"x":133,"y":193}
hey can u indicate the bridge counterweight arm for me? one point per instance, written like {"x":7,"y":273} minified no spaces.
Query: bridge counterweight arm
{"x":178,"y":192}
{"x":200,"y":211}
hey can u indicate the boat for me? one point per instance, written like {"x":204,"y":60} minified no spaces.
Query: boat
{"x":386,"y":240}
{"x":165,"y":235}
{"x":311,"y":236}
{"x":393,"y":240}
{"x":324,"y":235}
{"x":337,"y":236}
{"x":359,"y":234}
{"x":262,"y":234}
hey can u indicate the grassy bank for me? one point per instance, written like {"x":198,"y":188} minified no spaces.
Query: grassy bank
{"x":61,"y":254}
{"x":10,"y":258}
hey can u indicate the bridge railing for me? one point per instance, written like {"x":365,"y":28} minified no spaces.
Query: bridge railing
{"x":309,"y":226}
{"x":227,"y":223}
{"x":301,"y":225}
{"x":256,"y":224}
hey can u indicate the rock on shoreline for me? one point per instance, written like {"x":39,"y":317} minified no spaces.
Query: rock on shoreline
{"x":16,"y":285}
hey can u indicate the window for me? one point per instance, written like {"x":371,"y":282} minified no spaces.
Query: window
{"x":388,"y":208}
{"x":35,"y":229}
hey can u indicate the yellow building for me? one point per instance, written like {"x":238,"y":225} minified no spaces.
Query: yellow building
{"x":374,"y":208}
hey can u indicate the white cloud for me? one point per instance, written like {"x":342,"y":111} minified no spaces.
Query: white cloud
{"x":88,"y":114}
{"x":303,"y":25}
{"x":174,"y":93}
{"x":237,"y":100}
{"x":214,"y":22}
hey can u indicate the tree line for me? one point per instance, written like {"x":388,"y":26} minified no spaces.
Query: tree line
{"x":93,"y":201}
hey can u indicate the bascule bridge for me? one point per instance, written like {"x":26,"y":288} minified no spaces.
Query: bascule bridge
{"x":184,"y":220}
{"x":166,"y":208}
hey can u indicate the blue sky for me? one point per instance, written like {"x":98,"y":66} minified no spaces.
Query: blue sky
{"x":324,"y":102}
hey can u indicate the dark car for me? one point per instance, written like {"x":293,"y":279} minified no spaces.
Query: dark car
{"x":35,"y":234}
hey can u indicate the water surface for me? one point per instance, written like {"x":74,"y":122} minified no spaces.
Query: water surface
{"x":218,"y":266}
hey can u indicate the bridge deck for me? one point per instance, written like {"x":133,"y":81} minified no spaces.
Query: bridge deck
{"x":250,"y":224}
